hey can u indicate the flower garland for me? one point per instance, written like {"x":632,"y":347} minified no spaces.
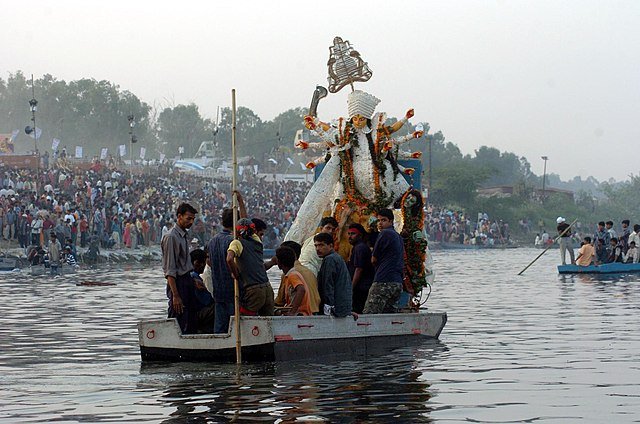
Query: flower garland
{"x":414,"y":247}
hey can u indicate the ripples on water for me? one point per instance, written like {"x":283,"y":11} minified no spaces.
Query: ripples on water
{"x":536,"y":348}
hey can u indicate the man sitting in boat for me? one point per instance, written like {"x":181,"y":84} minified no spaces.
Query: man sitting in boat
{"x":245,"y":261}
{"x":308,"y":256}
{"x":586,"y":253}
{"x":334,"y":283}
{"x":615,"y":251}
{"x":309,"y":278}
{"x":633,"y":254}
{"x":295,"y":289}
{"x":205,"y":305}
{"x":602,"y":254}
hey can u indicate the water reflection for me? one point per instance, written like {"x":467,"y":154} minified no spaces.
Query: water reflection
{"x":385,"y":389}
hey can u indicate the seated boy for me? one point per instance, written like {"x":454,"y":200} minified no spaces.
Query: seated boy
{"x":633,"y":254}
{"x":204,"y":301}
{"x":615,"y":252}
{"x":586,"y":253}
{"x":295,"y":289}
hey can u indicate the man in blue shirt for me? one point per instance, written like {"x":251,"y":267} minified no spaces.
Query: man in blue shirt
{"x":388,"y":259}
{"x":359,"y":265}
{"x":334,"y":284}
{"x":223,"y":292}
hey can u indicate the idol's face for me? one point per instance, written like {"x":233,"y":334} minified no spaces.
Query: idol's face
{"x":359,"y":121}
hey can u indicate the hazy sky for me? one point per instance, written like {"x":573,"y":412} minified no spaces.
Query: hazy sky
{"x":555,"y":78}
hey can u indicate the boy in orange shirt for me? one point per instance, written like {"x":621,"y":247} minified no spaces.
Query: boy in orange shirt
{"x":586,"y":253}
{"x":296,"y":291}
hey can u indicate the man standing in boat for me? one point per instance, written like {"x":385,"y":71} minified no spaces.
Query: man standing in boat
{"x":566,"y":242}
{"x":360,"y":267}
{"x":334,"y":283}
{"x":223,"y":292}
{"x":245,"y":260}
{"x":176,"y":265}
{"x":308,"y":256}
{"x":388,"y":259}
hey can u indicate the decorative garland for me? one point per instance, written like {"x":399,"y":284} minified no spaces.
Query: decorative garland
{"x":414,"y":247}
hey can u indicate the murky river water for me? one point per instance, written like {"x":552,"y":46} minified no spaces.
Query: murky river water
{"x":536,"y":348}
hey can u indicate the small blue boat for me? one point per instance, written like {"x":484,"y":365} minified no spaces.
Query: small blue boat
{"x":612,"y":268}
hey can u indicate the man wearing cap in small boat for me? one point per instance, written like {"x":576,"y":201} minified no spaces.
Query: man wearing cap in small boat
{"x":566,"y":244}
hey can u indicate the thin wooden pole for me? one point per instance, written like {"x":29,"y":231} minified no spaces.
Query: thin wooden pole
{"x":549,"y":247}
{"x":236,"y":287}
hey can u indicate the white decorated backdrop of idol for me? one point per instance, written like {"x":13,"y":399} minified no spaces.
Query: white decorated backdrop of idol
{"x":534,"y":348}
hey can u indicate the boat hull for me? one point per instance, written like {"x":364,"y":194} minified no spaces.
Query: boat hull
{"x":290,"y":338}
{"x":612,"y":268}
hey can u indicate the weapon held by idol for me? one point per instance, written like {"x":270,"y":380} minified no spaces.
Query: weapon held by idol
{"x":319,"y":93}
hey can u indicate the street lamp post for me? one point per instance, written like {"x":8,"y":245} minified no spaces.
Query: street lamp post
{"x":33,"y":105}
{"x":544,"y":177}
{"x":132,"y":139}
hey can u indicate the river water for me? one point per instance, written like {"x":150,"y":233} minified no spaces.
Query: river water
{"x":536,"y":348}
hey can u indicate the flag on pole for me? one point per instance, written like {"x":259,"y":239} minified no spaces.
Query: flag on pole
{"x":255,"y":169}
{"x":143,"y":151}
{"x":103,"y":153}
{"x":14,"y":134}
{"x":54,"y":144}
{"x":275,"y":162}
{"x":162,"y":156}
{"x":78,"y":151}
{"x":123,"y":150}
{"x":303,"y":166}
{"x":290,"y":161}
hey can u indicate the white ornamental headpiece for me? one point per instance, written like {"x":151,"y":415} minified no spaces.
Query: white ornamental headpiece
{"x":361,"y":103}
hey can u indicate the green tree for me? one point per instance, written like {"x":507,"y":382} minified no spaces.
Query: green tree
{"x":182,"y":125}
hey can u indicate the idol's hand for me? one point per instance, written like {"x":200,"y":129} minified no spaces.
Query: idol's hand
{"x":409,"y":114}
{"x":310,"y":122}
{"x":418,"y":134}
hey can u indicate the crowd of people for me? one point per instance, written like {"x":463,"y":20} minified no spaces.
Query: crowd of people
{"x":607,"y":245}
{"x":109,"y":208}
{"x":315,"y":278}
{"x":447,"y":226}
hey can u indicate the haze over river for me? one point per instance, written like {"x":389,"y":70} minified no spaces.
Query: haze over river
{"x":536,"y":348}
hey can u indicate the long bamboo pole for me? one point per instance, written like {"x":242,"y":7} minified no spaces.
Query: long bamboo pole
{"x":548,"y":247}
{"x":236,"y":287}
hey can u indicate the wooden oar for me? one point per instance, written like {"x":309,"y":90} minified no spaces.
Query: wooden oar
{"x":236,"y":287}
{"x":549,"y":247}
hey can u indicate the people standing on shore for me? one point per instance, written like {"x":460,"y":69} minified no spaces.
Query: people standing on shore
{"x":176,"y":265}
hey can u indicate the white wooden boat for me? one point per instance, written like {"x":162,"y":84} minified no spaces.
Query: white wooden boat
{"x":289,"y":338}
